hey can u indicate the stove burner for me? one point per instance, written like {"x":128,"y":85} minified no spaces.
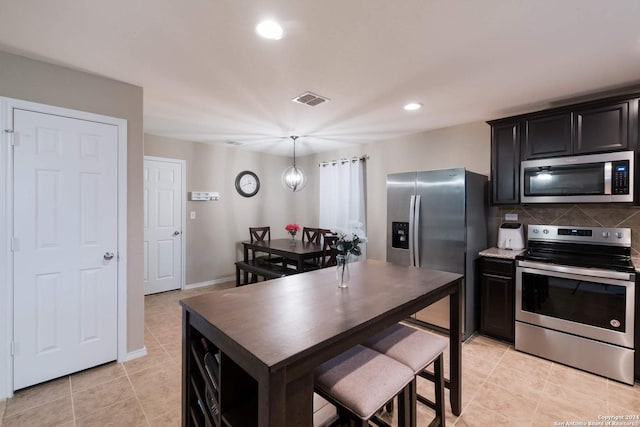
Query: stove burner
{"x":623,"y":264}
{"x":581,"y":247}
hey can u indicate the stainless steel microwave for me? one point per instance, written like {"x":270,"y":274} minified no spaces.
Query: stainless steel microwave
{"x":594,"y":178}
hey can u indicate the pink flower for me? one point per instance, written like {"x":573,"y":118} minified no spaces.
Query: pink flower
{"x":292,"y":229}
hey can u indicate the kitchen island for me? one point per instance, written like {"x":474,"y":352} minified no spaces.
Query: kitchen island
{"x":263,"y":341}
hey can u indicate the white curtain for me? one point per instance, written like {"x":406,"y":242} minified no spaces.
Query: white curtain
{"x":342,"y":201}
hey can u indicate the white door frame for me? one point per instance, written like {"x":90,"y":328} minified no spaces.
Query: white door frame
{"x":7,"y":105}
{"x":183,"y":209}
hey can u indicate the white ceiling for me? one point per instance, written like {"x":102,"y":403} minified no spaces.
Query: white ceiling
{"x":208,"y":77}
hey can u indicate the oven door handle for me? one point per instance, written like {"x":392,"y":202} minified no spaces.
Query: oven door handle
{"x":590,"y":272}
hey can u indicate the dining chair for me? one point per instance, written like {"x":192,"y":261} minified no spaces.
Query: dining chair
{"x":313,"y":235}
{"x":261,"y":234}
{"x":328,"y":258}
{"x":328,"y":250}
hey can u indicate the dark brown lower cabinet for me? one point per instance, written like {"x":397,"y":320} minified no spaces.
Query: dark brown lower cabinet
{"x":497,"y":298}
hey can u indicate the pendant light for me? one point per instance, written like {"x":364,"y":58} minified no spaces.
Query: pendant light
{"x":292,"y":177}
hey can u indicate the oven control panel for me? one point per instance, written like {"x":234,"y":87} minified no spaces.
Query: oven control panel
{"x":587,"y":235}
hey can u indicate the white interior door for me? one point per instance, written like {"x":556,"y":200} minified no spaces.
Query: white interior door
{"x":65,"y":243}
{"x":162,"y":225}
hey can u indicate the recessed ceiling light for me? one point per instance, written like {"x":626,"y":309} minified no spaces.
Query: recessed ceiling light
{"x":269,"y":30}
{"x":412,"y":106}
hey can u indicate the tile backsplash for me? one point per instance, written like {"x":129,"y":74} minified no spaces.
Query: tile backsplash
{"x":595,"y":215}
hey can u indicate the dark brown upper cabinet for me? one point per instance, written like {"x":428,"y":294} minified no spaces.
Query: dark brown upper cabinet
{"x":547,"y":136}
{"x":505,"y":163}
{"x":602,"y":128}
{"x":599,"y":126}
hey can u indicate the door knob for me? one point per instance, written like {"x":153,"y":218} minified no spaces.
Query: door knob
{"x":175,"y":233}
{"x":108,"y":255}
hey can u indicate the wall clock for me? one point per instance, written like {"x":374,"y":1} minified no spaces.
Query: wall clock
{"x":247,"y":184}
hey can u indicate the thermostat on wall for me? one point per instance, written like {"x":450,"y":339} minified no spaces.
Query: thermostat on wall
{"x":204,"y":195}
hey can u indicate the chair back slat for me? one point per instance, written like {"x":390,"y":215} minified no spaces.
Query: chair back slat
{"x":258,"y":234}
{"x":313,"y":235}
{"x":310,"y":235}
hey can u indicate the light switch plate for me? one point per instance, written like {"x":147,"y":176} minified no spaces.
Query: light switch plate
{"x":193,"y":214}
{"x":511,"y":217}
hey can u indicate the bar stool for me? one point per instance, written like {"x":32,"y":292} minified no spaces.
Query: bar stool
{"x":361,"y":381}
{"x":415,"y":349}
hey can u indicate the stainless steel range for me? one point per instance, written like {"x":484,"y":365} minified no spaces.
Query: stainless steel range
{"x":575,"y":293}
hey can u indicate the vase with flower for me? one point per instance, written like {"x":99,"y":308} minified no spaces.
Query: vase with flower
{"x":292,"y":229}
{"x":347,"y":244}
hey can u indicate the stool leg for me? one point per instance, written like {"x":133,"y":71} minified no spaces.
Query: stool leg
{"x":439,"y":390}
{"x":413,"y":399}
{"x":237,"y":276}
{"x":407,"y":406}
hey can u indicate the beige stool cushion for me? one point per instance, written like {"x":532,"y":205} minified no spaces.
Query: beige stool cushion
{"x":410,"y":346}
{"x":362,"y":380}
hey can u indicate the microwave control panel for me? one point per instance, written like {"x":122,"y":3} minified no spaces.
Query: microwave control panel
{"x":620,"y":178}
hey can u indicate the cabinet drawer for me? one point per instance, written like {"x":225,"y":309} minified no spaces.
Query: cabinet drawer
{"x":500,"y":267}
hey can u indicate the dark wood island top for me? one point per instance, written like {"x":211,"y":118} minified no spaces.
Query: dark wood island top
{"x":278,"y":331}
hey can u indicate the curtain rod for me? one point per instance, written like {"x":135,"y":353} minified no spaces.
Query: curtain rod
{"x":344,"y":160}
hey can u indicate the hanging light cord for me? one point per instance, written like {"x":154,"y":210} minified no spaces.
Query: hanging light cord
{"x":294,"y":149}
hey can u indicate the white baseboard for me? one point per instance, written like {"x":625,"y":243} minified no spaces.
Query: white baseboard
{"x":209,"y":282}
{"x":136,"y":353}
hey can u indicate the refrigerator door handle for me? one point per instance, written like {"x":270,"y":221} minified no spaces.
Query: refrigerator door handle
{"x":412,"y":206}
{"x":416,"y":232}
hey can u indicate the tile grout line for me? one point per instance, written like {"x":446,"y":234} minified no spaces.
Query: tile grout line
{"x":35,"y":406}
{"x":73,"y":408}
{"x":546,"y":380}
{"x":591,"y":218}
{"x":480,"y":387}
{"x":627,"y":218}
{"x":135,"y":393}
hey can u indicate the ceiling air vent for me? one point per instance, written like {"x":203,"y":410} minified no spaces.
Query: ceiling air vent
{"x":310,"y":98}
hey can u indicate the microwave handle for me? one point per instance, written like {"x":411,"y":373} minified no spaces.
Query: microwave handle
{"x":607,"y":177}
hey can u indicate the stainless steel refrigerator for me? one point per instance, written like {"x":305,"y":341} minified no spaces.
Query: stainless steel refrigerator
{"x":438,"y":220}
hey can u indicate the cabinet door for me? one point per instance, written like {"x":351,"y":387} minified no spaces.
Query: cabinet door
{"x":547,"y":136}
{"x":497,"y":306}
{"x":505,"y":164}
{"x":602,"y":128}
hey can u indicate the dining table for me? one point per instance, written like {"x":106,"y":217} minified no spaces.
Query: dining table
{"x":297,"y":251}
{"x":272,"y":335}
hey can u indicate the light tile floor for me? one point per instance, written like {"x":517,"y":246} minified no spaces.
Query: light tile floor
{"x":501,"y":387}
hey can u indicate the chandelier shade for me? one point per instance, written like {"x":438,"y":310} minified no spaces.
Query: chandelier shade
{"x":292,"y":177}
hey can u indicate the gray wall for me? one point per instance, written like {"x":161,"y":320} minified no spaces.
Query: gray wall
{"x":211,"y":242}
{"x":37,"y":81}
{"x":467,"y":146}
{"x":212,"y":239}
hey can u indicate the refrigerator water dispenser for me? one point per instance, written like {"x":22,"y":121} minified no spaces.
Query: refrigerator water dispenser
{"x":400,"y":235}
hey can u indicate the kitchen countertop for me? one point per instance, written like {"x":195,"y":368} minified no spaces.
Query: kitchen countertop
{"x":505,"y":253}
{"x":636,"y":263}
